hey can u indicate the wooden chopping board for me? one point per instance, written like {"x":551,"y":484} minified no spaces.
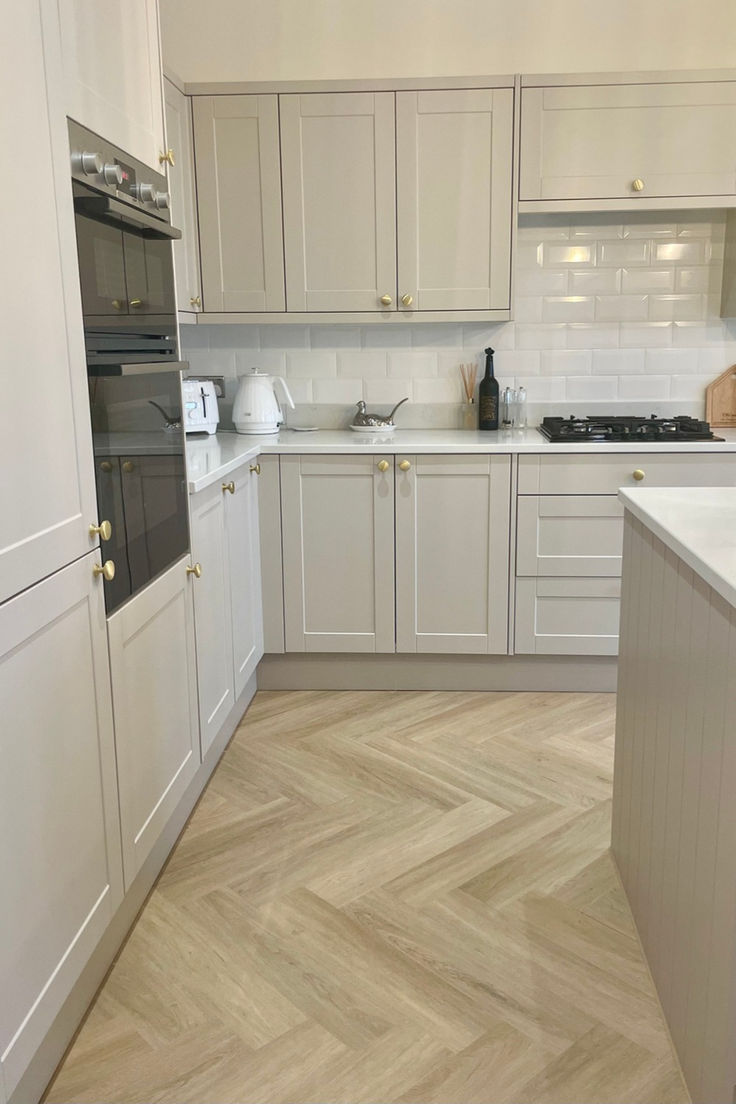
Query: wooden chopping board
{"x":720,"y":400}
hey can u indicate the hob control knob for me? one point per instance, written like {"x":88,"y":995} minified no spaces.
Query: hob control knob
{"x":161,"y":199}
{"x":112,"y":174}
{"x":88,"y":163}
{"x":144,"y":192}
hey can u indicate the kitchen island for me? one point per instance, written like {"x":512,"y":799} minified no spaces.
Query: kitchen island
{"x":674,"y":816}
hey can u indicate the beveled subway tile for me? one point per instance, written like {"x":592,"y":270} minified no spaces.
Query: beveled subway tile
{"x":437,"y":335}
{"x":271,"y":361}
{"x":311,"y":365}
{"x":694,"y":279}
{"x":589,"y":281}
{"x":648,"y":279}
{"x":386,"y":336}
{"x":565,"y":362}
{"x":646,"y":335}
{"x":438,"y":390}
{"x":301,"y":390}
{"x":478,"y":335}
{"x":335,"y":337}
{"x":644,"y":387}
{"x":672,"y":308}
{"x":699,"y":334}
{"x":568,"y":308}
{"x":642,"y":225}
{"x":591,"y":388}
{"x":595,"y":228}
{"x":542,"y":388}
{"x":362,"y":364}
{"x":714,"y":361}
{"x":246,"y":336}
{"x":284,"y":337}
{"x":593,"y":335}
{"x":528,"y":254}
{"x":543,"y":227}
{"x":518,"y":362}
{"x":449,"y":361}
{"x":688,"y":388}
{"x":714,"y":251}
{"x":343,"y":391}
{"x":700,"y":224}
{"x":664,"y":362}
{"x":581,"y":253}
{"x":541,"y":337}
{"x":528,"y":308}
{"x":621,"y":308}
{"x":389,"y":391}
{"x":620,"y":254}
{"x":540,"y":281}
{"x":403,"y":365}
{"x":679,"y":252}
{"x":616,"y":362}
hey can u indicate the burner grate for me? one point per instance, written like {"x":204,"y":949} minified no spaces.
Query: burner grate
{"x":626,"y":428}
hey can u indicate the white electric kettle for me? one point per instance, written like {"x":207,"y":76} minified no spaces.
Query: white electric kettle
{"x":256,"y":409}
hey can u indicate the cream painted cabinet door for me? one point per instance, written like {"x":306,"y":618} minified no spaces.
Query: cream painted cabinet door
{"x":595,"y":141}
{"x":565,"y":616}
{"x":183,"y":206}
{"x":112,"y":63}
{"x":238,"y":172}
{"x":452,"y":553}
{"x":272,"y":567}
{"x":60,"y":861}
{"x":338,"y":534}
{"x":244,"y":575}
{"x":47,"y":493}
{"x":339,"y":201}
{"x":569,"y":535}
{"x":154,"y":687}
{"x":454,"y":154}
{"x":212,"y":613}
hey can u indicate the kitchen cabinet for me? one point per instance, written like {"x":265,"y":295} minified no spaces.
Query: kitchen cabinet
{"x":180,"y":141}
{"x":454,"y":151}
{"x":452,"y":553}
{"x":569,"y":532}
{"x":373,"y":551}
{"x":154,"y":687}
{"x":112,"y":66}
{"x":238,"y":171}
{"x":60,"y":860}
{"x":48,"y":505}
{"x":339,"y":181}
{"x":272,"y":564}
{"x":608,"y":139}
{"x":227,"y":597}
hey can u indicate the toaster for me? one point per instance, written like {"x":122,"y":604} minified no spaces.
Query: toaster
{"x":200,"y":413}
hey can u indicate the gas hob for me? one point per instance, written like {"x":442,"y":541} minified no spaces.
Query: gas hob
{"x":626,"y":428}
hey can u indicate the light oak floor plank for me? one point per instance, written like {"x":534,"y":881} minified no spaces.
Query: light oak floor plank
{"x":388,"y":897}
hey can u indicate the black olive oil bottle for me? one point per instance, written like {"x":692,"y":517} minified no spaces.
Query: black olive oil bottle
{"x":488,"y":396}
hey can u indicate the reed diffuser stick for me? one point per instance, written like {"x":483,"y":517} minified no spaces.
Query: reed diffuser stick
{"x":469,"y":373}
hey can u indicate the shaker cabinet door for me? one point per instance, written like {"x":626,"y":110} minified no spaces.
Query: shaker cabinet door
{"x":452,"y":554}
{"x":454,"y":153}
{"x":339,"y":201}
{"x":239,"y":203}
{"x":183,"y":207}
{"x":338,"y":534}
{"x":244,"y":573}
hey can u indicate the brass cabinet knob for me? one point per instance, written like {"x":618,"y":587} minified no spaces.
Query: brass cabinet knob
{"x":196,"y":301}
{"x":106,"y":570}
{"x":638,"y":475}
{"x":118,"y":304}
{"x":167,"y":158}
{"x":386,"y":300}
{"x":106,"y":466}
{"x":135,"y":302}
{"x":228,"y":487}
{"x":383,"y":465}
{"x":404,"y":465}
{"x":128,"y":466}
{"x":407,"y":300}
{"x":255,"y":468}
{"x":195,"y":570}
{"x":637,"y":185}
{"x":103,"y":530}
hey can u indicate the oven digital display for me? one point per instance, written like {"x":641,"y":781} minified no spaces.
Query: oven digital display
{"x":129,"y":177}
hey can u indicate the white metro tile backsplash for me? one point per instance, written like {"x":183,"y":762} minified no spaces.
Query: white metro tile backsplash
{"x":607,"y":309}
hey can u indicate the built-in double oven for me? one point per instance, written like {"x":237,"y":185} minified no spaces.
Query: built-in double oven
{"x":124,"y":244}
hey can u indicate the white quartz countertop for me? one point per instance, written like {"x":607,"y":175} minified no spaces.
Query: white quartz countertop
{"x":211,"y":458}
{"x":698,"y":524}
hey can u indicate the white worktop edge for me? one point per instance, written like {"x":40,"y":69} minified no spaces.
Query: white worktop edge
{"x":698,"y":524}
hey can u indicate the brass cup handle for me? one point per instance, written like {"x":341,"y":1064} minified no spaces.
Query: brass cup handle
{"x":106,"y":466}
{"x":407,"y":300}
{"x":638,"y":184}
{"x":255,"y":468}
{"x":103,"y":530}
{"x":128,"y":466}
{"x":383,"y":465}
{"x":195,"y":570}
{"x":167,"y":158}
{"x":405,"y":465}
{"x":195,"y":301}
{"x":135,"y":302}
{"x":106,"y":570}
{"x":386,"y":300}
{"x":228,"y":487}
{"x":638,"y":475}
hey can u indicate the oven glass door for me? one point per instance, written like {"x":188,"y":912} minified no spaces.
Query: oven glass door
{"x":140,"y":475}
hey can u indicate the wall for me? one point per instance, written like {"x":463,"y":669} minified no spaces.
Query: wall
{"x":297,"y":40}
{"x":607,"y":311}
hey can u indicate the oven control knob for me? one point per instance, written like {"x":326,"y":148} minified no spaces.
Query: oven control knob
{"x":88,"y":163}
{"x":144,"y":192}
{"x":112,"y":174}
{"x":161,"y":199}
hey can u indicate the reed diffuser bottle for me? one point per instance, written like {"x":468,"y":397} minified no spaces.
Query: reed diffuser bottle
{"x":488,"y":396}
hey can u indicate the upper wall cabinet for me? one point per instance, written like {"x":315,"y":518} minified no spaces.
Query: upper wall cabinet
{"x":112,"y":65}
{"x":454,"y":159}
{"x":239,"y":201}
{"x":183,"y":206}
{"x":339,"y":185}
{"x":606,"y":143}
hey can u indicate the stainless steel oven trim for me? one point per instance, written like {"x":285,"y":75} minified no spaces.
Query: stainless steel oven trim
{"x":146,"y":369}
{"x":118,"y":214}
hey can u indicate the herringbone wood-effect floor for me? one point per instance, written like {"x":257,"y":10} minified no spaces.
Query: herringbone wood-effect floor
{"x":389,"y":897}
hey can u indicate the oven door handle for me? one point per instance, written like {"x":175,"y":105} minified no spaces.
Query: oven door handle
{"x":133,"y":369}
{"x":107,"y":209}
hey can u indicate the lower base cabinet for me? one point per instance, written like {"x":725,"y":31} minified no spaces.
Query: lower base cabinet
{"x":60,"y":861}
{"x":227,"y":596}
{"x":153,"y":668}
{"x":567,"y":616}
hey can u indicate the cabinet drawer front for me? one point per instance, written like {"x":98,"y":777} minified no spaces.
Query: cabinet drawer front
{"x":592,"y":142}
{"x":567,"y":616}
{"x":569,"y":535}
{"x":587,"y":474}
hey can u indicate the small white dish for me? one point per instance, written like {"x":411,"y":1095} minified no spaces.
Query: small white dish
{"x":303,"y":429}
{"x":373,"y":429}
